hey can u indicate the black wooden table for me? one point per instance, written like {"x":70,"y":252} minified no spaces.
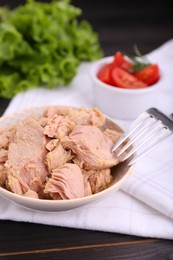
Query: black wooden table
{"x":119,"y":24}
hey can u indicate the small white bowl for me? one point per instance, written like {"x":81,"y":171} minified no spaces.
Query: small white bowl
{"x":119,"y":172}
{"x":121,"y":103}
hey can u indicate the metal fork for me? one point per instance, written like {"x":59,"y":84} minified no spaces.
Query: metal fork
{"x":148,"y":130}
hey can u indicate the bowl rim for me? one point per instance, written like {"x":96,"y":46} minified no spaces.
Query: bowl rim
{"x":16,"y":197}
{"x":99,"y":63}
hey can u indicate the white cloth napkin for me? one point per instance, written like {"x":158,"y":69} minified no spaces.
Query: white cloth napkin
{"x":144,"y":204}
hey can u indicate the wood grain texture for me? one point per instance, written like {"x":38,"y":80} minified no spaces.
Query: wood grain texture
{"x":57,"y":236}
{"x":32,"y":241}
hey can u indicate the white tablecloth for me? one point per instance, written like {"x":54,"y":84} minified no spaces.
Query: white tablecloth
{"x":144,"y":204}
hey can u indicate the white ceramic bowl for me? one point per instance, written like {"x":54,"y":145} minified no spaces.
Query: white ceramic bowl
{"x":121,"y":103}
{"x":119,"y":172}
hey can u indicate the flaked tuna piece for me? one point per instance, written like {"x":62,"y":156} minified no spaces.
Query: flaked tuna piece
{"x":97,"y":117}
{"x":43,"y":121}
{"x":82,"y":116}
{"x":31,"y":194}
{"x":52,"y":144}
{"x":14,"y":185}
{"x":112,"y":134}
{"x":3,"y":155}
{"x":76,"y":160}
{"x":3,"y":174}
{"x":92,"y":147}
{"x":26,"y":157}
{"x":5,"y":137}
{"x":99,"y":180}
{"x":66,"y":182}
{"x":58,"y":127}
{"x":56,"y":110}
{"x":57,"y":157}
{"x":86,"y":116}
{"x":87,"y":188}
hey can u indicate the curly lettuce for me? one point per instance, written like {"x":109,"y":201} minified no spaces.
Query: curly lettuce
{"x":43,"y":44}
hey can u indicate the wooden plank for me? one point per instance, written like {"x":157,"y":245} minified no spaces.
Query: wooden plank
{"x":33,"y":236}
{"x":146,"y":249}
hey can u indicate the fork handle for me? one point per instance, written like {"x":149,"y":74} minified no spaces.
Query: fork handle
{"x":160,"y":116}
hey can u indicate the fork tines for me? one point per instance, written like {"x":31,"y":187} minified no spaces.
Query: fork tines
{"x":148,"y":130}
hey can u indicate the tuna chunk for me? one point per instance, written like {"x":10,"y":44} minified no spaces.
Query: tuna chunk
{"x":26,"y":156}
{"x":52,"y":144}
{"x":80,"y":116}
{"x":99,"y":180}
{"x":112,"y":134}
{"x":43,"y":121}
{"x":56,"y":110}
{"x":92,"y":147}
{"x":3,"y":174}
{"x":66,"y":182}
{"x":58,"y":127}
{"x":97,"y":117}
{"x":14,"y":185}
{"x":86,"y":116}
{"x":87,"y":188}
{"x":3,"y":155}
{"x":5,"y":138}
{"x":57,"y":157}
{"x":31,"y":194}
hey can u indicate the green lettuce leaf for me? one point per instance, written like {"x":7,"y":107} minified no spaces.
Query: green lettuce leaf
{"x":42,"y":44}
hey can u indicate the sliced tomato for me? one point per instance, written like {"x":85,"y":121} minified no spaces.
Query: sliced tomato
{"x":149,"y":74}
{"x":121,"y":61}
{"x":123,"y":79}
{"x":105,"y":74}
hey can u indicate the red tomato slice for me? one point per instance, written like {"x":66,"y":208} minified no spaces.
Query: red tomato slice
{"x":149,"y":74}
{"x":104,"y":74}
{"x":123,"y":79}
{"x":121,"y":62}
